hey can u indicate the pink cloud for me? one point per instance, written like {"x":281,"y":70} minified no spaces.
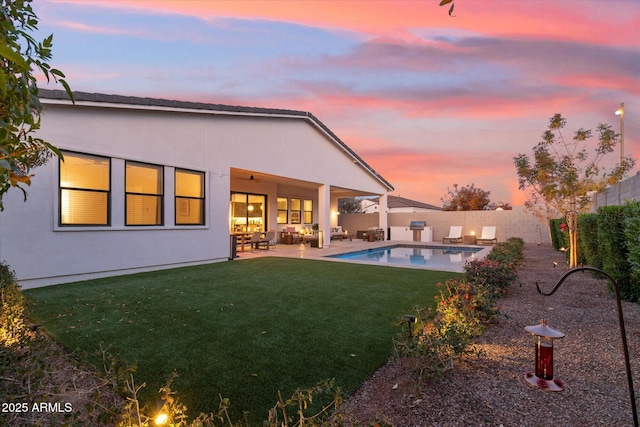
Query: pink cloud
{"x":557,"y":20}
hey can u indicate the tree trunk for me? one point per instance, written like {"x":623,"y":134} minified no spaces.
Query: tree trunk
{"x":573,"y":248}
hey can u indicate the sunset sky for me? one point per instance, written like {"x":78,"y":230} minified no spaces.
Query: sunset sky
{"x":426,"y":99}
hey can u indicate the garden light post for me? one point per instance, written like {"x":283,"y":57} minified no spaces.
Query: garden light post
{"x":543,"y":377}
{"x":544,"y":332}
{"x":620,"y":112}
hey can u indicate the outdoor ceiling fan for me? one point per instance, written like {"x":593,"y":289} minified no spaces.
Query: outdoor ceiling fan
{"x":251,"y":178}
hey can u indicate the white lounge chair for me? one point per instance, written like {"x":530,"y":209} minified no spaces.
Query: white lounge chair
{"x":455,"y":235}
{"x":488,"y":236}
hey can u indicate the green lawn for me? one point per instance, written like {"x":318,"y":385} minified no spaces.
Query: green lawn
{"x":240,"y":329}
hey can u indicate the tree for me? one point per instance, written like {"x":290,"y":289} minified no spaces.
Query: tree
{"x":560,"y":176}
{"x":350,"y":205}
{"x":21,"y":57}
{"x":469,"y":198}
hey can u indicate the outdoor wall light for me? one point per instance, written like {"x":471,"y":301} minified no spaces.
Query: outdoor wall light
{"x":544,"y":352}
{"x":543,"y":377}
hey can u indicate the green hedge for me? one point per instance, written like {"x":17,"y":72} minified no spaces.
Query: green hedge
{"x":559,"y":238}
{"x":632,"y":234}
{"x":588,"y":240}
{"x":613,"y":247}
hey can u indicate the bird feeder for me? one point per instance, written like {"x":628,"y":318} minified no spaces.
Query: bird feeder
{"x":543,"y":377}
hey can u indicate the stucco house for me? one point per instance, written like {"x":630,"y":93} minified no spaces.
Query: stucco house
{"x":150,"y":184}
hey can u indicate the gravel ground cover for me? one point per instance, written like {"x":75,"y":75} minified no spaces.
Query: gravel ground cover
{"x":490,"y":390}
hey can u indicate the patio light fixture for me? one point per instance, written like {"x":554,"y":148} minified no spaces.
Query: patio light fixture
{"x":544,"y":358}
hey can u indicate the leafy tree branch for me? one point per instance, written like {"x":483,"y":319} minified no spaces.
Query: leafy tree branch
{"x":22,"y":57}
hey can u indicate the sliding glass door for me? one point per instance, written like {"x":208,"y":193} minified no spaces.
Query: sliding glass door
{"x":248,"y":212}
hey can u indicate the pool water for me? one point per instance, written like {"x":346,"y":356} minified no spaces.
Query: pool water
{"x":432,"y":257}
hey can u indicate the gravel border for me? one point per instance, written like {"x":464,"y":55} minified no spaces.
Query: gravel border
{"x":490,"y":390}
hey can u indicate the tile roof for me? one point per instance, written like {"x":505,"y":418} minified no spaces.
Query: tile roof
{"x":401,"y":202}
{"x":187,"y":105}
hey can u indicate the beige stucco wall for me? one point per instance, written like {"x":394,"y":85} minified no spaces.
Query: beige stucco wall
{"x":513,"y":223}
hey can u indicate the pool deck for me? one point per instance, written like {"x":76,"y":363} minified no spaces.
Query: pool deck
{"x":305,"y":251}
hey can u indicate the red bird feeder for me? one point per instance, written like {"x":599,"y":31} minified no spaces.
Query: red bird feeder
{"x":543,"y":377}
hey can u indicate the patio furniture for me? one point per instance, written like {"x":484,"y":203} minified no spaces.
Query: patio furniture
{"x":268,"y":240}
{"x":470,"y":239}
{"x":455,"y":235}
{"x":336,"y":233}
{"x":253,"y":241}
{"x":379,"y":234}
{"x":290,"y":236}
{"x":488,"y":236}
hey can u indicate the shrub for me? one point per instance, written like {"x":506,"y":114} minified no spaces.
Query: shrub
{"x":632,"y":235}
{"x":463,"y":309}
{"x":588,"y":238}
{"x":559,"y":234}
{"x":12,"y":326}
{"x":613,"y":246}
{"x":509,"y":252}
{"x":493,"y":274}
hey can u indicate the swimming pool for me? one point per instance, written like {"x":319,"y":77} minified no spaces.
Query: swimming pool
{"x":447,"y":258}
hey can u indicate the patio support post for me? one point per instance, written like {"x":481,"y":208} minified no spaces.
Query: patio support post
{"x":324,"y":213}
{"x":382,"y":216}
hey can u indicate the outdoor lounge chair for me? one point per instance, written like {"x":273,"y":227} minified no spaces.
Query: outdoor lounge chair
{"x":488,"y":236}
{"x":254,"y":240}
{"x":268,"y":240}
{"x":455,"y":235}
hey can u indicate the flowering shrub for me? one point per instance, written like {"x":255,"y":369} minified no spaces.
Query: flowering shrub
{"x":491,"y":274}
{"x":463,"y":309}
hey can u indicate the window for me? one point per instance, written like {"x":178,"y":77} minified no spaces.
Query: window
{"x":283,"y":210}
{"x":85,"y":190}
{"x":189,"y":197}
{"x":144,"y":195}
{"x":308,"y":211}
{"x":296,"y":210}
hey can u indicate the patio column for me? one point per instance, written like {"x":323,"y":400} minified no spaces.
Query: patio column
{"x":324,"y":213}
{"x":382,"y":216}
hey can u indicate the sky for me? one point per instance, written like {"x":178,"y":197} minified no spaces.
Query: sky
{"x":427,"y":100}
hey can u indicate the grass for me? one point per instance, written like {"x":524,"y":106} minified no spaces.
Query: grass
{"x":243,"y":330}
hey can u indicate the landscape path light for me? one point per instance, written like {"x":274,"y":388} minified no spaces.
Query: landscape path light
{"x":623,"y":334}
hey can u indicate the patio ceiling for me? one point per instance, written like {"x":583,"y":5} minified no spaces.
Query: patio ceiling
{"x":251,"y":175}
